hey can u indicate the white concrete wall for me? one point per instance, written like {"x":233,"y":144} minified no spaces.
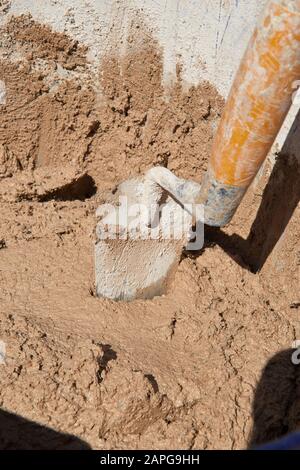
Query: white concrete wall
{"x":208,"y":37}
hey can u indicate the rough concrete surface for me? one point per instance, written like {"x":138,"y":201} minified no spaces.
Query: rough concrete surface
{"x":208,"y":364}
{"x":202,"y":35}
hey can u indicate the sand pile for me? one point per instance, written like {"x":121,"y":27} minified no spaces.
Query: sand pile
{"x":181,"y":370}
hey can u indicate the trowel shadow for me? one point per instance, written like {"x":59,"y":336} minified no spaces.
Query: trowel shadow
{"x":279,"y":201}
{"x":18,"y":433}
{"x":276,"y":404}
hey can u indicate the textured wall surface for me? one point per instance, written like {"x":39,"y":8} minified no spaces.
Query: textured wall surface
{"x":207,"y":37}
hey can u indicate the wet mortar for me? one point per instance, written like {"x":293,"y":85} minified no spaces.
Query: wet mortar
{"x":184,"y":370}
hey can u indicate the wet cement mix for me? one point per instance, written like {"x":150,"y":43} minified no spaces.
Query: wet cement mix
{"x":206,"y":366}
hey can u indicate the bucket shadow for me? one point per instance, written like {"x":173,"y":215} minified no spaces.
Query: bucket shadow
{"x":279,"y":201}
{"x":276,"y":405}
{"x":17,"y":433}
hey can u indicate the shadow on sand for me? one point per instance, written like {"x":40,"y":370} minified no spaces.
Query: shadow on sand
{"x":279,"y":201}
{"x":17,"y":433}
{"x":276,"y":405}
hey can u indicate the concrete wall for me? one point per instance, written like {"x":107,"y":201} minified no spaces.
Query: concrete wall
{"x":208,"y":37}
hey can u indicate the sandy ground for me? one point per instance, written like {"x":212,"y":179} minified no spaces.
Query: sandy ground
{"x":208,"y":365}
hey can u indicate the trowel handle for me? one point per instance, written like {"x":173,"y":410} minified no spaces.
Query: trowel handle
{"x":258,"y":103}
{"x":160,"y":181}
